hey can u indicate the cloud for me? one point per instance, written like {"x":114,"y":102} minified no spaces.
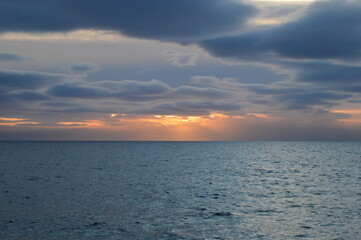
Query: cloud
{"x":9,"y":57}
{"x":131,"y":90}
{"x":194,"y":108}
{"x":27,"y":79}
{"x":274,"y":89}
{"x":83,"y":68}
{"x":220,"y":83}
{"x":169,"y":20}
{"x":189,"y":91}
{"x":216,"y":106}
{"x":153,"y":87}
{"x":329,"y":30}
{"x":305,"y":100}
{"x":73,"y":91}
{"x":297,"y":96}
{"x":179,"y":59}
{"x":28,"y":96}
{"x":320,"y":72}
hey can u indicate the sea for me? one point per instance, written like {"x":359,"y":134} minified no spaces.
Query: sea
{"x":180,"y":190}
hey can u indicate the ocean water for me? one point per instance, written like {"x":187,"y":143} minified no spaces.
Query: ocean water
{"x":180,"y":190}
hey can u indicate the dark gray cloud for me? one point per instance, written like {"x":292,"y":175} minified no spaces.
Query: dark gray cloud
{"x":194,"y":108}
{"x":60,"y":104}
{"x":327,"y":73}
{"x":27,"y":79}
{"x":329,"y":30}
{"x":217,"y":106}
{"x":130,"y":90}
{"x":9,"y":57}
{"x":72,"y":91}
{"x":305,"y":100}
{"x":194,"y":92}
{"x":298,"y":97}
{"x":170,"y":20}
{"x":83,"y":68}
{"x":270,"y":90}
{"x":322,"y":75}
{"x":35,"y":15}
{"x":29,"y":96}
{"x":351,"y":89}
{"x":154,"y":87}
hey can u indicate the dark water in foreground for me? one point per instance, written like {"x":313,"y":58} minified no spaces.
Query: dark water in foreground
{"x":184,"y":190}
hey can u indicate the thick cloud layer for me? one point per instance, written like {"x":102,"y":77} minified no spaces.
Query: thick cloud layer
{"x":131,"y":90}
{"x":27,"y":79}
{"x":328,"y":73}
{"x":305,"y":100}
{"x":315,"y":57}
{"x":170,"y":20}
{"x":329,"y":30}
{"x":298,"y":97}
{"x":10,"y":57}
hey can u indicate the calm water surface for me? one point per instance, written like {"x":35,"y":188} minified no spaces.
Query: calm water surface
{"x":180,"y":190}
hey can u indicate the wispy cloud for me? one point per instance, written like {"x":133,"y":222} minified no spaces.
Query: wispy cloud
{"x":180,"y":59}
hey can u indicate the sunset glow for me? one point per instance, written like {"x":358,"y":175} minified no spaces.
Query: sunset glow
{"x":11,"y":119}
{"x":180,"y":119}
{"x":12,"y":122}
{"x":190,"y":70}
{"x":18,"y":123}
{"x":88,"y":123}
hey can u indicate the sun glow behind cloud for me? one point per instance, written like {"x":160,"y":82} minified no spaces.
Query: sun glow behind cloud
{"x":13,"y":122}
{"x":86,"y":124}
{"x":163,"y":127}
{"x":286,"y":1}
{"x":9,"y":124}
{"x":354,"y":116}
{"x":71,"y":77}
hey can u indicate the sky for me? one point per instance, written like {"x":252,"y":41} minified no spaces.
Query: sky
{"x":180,"y":70}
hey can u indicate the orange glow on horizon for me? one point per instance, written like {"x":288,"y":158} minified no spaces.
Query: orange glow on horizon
{"x":11,"y":122}
{"x":119,"y":120}
{"x":87,"y":123}
{"x":18,"y":123}
{"x":11,"y":119}
{"x":172,"y":120}
{"x":117,"y":114}
{"x":210,"y":127}
{"x":348,"y":111}
{"x":350,"y":120}
{"x":355,"y":116}
{"x":258,"y":115}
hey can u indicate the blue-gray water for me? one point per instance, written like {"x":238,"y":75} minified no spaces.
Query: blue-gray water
{"x":180,"y":190}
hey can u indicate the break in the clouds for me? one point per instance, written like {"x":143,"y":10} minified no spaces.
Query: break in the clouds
{"x":170,"y":20}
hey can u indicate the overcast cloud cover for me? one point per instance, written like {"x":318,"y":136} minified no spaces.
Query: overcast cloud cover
{"x":112,"y":68}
